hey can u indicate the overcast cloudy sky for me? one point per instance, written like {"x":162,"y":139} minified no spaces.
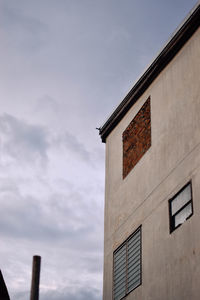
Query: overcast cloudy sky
{"x":64,"y":66}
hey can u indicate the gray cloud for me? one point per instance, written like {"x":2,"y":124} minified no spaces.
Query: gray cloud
{"x":61,"y":217}
{"x":83,"y":293}
{"x":64,"y":230}
{"x":22,"y":141}
{"x":30,"y":143}
{"x":71,"y":143}
{"x":71,"y":221}
{"x":26,"y":31}
{"x":21,"y":295}
{"x":46,"y":104}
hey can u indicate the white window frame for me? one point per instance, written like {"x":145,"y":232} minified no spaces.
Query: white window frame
{"x":187,"y":204}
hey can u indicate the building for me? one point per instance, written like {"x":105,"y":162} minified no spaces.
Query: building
{"x":152,"y":192}
{"x":3,"y":289}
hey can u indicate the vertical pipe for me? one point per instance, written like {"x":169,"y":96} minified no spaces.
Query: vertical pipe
{"x":35,"y":278}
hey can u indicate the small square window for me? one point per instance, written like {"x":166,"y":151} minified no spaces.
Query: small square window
{"x":127,"y":266}
{"x":180,"y":207}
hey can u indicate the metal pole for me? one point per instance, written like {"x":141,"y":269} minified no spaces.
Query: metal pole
{"x":35,"y":278}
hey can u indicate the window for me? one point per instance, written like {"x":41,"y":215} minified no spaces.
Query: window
{"x":127,"y":266}
{"x":180,"y":207}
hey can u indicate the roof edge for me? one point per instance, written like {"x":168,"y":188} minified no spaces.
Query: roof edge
{"x":179,"y":38}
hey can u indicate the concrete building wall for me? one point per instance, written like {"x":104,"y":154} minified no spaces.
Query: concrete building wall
{"x":170,"y":262}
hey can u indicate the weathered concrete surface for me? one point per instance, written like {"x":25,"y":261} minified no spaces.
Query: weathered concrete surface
{"x":170,"y":262}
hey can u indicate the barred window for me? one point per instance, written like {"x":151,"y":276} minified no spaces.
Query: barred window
{"x":127,"y":266}
{"x":181,"y":207}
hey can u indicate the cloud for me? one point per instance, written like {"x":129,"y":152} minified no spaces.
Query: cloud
{"x":82,"y":293}
{"x":71,"y":144}
{"x":46,"y":104}
{"x":23,"y":142}
{"x":26,"y":31}
{"x":21,"y":295}
{"x":64,"y":228}
{"x":26,"y":143}
{"x":62,"y":217}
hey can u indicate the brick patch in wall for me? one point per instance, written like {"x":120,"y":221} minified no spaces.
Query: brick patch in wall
{"x":137,"y":138}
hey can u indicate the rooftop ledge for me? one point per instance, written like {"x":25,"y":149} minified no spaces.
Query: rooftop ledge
{"x":182,"y":34}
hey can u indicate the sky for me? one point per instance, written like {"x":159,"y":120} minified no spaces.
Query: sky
{"x":65,"y":66}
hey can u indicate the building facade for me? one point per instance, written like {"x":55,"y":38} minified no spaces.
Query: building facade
{"x":152,"y":192}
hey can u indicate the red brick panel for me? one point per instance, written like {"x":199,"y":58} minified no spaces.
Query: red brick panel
{"x":137,"y":138}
